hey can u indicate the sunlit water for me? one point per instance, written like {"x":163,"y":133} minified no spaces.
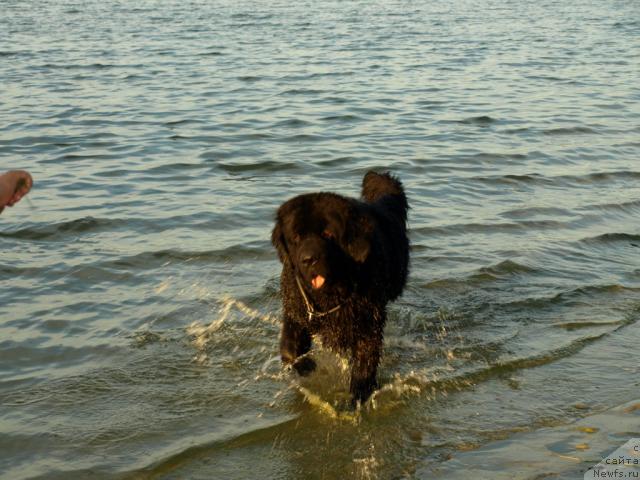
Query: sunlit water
{"x":139,"y":305}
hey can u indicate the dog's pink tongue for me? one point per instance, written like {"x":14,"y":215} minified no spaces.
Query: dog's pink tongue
{"x":317,"y":281}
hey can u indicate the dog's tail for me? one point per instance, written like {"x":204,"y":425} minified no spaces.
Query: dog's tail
{"x":386,"y":189}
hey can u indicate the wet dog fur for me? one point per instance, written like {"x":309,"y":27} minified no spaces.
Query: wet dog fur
{"x":343,"y":260}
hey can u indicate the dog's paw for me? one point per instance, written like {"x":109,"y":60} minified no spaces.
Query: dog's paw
{"x":304,"y":366}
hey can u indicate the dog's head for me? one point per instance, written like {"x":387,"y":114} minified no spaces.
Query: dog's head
{"x":324,"y":237}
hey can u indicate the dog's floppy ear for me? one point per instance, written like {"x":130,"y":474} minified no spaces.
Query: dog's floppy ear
{"x":284,"y":216}
{"x":277,"y":239}
{"x":356,"y":239}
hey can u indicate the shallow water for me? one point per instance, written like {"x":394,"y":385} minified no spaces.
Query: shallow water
{"x":139,"y":304}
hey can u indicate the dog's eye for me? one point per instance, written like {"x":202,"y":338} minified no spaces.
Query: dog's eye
{"x":328,"y":234}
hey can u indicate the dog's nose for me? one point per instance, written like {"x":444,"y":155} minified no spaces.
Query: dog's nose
{"x":311,"y":252}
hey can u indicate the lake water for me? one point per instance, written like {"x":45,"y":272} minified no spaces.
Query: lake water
{"x":139,"y":304}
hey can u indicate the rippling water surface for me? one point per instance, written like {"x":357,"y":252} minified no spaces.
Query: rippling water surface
{"x":139,"y":306}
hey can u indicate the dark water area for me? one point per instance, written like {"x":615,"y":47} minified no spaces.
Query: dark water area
{"x":139,"y":298}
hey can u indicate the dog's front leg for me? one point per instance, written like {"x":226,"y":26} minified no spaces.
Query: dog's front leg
{"x":295,"y":341}
{"x":364,"y":365}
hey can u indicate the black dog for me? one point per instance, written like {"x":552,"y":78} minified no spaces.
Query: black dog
{"x":342,"y":260}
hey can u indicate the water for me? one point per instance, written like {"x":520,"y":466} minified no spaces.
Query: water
{"x":139,"y":292}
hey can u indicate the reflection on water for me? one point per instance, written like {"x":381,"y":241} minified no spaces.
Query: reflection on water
{"x":139,"y":313}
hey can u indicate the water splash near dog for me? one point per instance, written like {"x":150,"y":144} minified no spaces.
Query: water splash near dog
{"x":202,"y":335}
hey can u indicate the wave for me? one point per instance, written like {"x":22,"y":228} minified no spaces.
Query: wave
{"x":505,"y":269}
{"x":626,"y":175}
{"x":479,"y":120}
{"x":577,"y":130}
{"x":241,"y":429}
{"x":346,"y":118}
{"x":577,"y":325}
{"x":588,"y":294}
{"x":537,"y":179}
{"x":302,"y":91}
{"x":492,"y":157}
{"x":631,"y":206}
{"x":62,"y":230}
{"x":489,"y":228}
{"x":174,"y":168}
{"x":55,"y":140}
{"x":250,"y":78}
{"x":76,"y":157}
{"x":512,"y":179}
{"x":467,"y":377}
{"x":212,"y":53}
{"x":292,"y":123}
{"x":537,"y":211}
{"x":262,"y":166}
{"x":613,"y":238}
{"x":183,"y":121}
{"x":254,"y":250}
{"x":26,"y":363}
{"x":90,"y":66}
{"x":252,"y":16}
{"x":315,"y":75}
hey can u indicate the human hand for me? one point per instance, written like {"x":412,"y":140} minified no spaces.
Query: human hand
{"x":14,"y":185}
